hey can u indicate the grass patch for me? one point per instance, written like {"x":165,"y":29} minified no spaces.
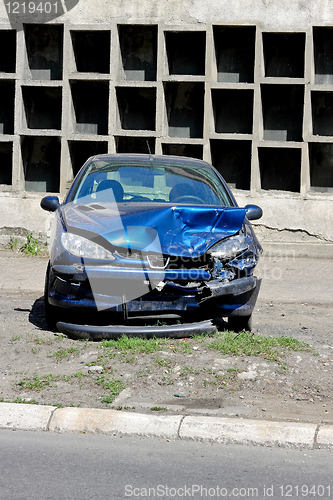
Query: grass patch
{"x":61,"y":354}
{"x":270,"y":348}
{"x":77,"y":375}
{"x":32,"y":246}
{"x":36,"y":383}
{"x":38,"y":340}
{"x":143,"y":373}
{"x":113,"y":386}
{"x":135,"y":344}
{"x":24,"y":401}
{"x":189,"y":370}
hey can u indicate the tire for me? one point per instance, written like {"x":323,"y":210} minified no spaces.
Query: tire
{"x":239,"y":323}
{"x":51,"y":313}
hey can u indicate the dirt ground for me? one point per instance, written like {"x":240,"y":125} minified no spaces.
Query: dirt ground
{"x":184,"y":376}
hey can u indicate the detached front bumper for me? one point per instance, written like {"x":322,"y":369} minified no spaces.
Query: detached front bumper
{"x":115,"y":332}
{"x":136,"y":289}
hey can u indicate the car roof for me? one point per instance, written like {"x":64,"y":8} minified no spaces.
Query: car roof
{"x":158,"y":159}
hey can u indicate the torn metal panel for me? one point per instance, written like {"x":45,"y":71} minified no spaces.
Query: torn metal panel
{"x":181,"y":231}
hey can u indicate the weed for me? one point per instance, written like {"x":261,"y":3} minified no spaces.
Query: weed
{"x":60,"y":354}
{"x":24,"y":401}
{"x":36,"y":383}
{"x":35,"y":350}
{"x":60,"y":336}
{"x":281,"y":369}
{"x":16,"y":337}
{"x":189,"y":370}
{"x":13,"y":243}
{"x":271,"y":348}
{"x":166,"y":381}
{"x":144,"y":373}
{"x":78,"y":375}
{"x":135,"y":344}
{"x":127,"y":359}
{"x":31,"y":246}
{"x":39,"y":340}
{"x":158,"y":408}
{"x":114,"y":386}
{"x":107,"y":399}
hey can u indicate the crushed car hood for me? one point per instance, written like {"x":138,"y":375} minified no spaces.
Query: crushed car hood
{"x":174,"y":230}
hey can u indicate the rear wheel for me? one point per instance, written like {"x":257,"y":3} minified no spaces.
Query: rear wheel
{"x":239,"y":323}
{"x":51,"y":312}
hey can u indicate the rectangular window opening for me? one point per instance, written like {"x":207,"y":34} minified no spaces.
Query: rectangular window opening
{"x":233,"y":110}
{"x":44,"y":44}
{"x":186,"y":52}
{"x":284,"y":54}
{"x":322,"y":113}
{"x":144,"y":145}
{"x":8,"y":56}
{"x":90,"y":115}
{"x":282,"y":108}
{"x":7,"y":98}
{"x":41,"y":163}
{"x":6,"y":163}
{"x":323,"y":54}
{"x":42,"y":107}
{"x":91,"y":51}
{"x":136,"y":108}
{"x":184,"y":109}
{"x":138,"y":47}
{"x":321,"y":167}
{"x":233,"y":160}
{"x":280,"y":169}
{"x":234,"y":52}
{"x":189,"y":150}
{"x":80,"y":151}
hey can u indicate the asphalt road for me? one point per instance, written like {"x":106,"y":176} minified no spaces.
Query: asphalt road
{"x":47,"y":466}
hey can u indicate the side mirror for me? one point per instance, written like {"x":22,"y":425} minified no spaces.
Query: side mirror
{"x":253,"y":212}
{"x":50,"y":203}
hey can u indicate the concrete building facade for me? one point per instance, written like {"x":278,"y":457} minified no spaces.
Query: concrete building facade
{"x":246,"y":85}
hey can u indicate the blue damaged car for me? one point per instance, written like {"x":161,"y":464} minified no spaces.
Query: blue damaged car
{"x":143,"y":237}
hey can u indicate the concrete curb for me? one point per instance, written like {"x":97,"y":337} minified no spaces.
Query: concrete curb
{"x":214,"y":429}
{"x":25,"y":417}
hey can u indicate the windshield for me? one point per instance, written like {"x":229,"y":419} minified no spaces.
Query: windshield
{"x":105,"y":181}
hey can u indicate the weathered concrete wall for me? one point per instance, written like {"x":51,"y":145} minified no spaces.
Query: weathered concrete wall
{"x":275,"y":14}
{"x":303,"y":216}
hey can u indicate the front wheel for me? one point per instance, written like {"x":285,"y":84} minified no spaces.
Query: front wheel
{"x":239,"y":323}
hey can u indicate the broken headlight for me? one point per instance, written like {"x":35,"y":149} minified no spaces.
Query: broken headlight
{"x":230,"y":248}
